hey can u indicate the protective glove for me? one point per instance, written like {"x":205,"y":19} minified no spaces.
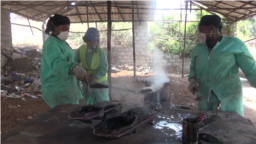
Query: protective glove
{"x":80,"y":73}
{"x":92,"y":80}
{"x":193,"y":86}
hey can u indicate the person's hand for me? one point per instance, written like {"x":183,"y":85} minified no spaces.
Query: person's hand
{"x":80,"y":73}
{"x":193,"y":86}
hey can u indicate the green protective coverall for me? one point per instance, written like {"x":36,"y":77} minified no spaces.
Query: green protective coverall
{"x":94,"y":95}
{"x":59,"y":84}
{"x":217,"y":75}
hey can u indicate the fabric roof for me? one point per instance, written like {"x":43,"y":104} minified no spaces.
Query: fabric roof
{"x":121,"y":11}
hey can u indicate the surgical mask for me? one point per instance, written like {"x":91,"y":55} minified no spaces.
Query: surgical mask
{"x":63,"y":35}
{"x":201,"y":38}
{"x":93,"y":48}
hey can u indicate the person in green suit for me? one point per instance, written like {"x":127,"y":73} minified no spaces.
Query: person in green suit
{"x":94,"y":61}
{"x":214,"y":68}
{"x":59,"y":70}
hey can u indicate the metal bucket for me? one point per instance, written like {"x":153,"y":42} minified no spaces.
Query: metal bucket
{"x":161,"y":96}
{"x":190,"y":131}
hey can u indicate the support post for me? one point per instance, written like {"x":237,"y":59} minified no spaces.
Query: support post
{"x":133,"y":44}
{"x":87,"y":17}
{"x":183,"y":55}
{"x":180,"y":28}
{"x":109,"y":47}
{"x":43,"y":33}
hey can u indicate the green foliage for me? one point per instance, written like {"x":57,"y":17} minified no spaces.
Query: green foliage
{"x":246,"y":29}
{"x":169,"y":36}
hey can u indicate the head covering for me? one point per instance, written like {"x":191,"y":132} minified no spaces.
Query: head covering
{"x":93,"y":34}
{"x":60,"y":20}
{"x":210,"y":20}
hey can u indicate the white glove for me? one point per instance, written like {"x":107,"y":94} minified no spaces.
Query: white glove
{"x":193,"y":86}
{"x":80,"y":73}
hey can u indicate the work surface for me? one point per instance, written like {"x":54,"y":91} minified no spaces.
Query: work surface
{"x":54,"y":127}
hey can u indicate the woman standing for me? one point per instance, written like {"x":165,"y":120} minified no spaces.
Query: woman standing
{"x":94,"y":61}
{"x":58,"y":66}
{"x":214,"y":68}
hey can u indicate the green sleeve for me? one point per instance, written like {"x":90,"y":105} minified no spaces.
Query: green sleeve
{"x":103,"y":68}
{"x":192,"y":72}
{"x":77,"y":56}
{"x":247,"y":63}
{"x":60,"y":66}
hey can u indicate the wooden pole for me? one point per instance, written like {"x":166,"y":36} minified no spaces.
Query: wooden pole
{"x":87,"y":17}
{"x":180,"y":27}
{"x":183,"y":55}
{"x":43,"y":32}
{"x":109,"y":46}
{"x":30,"y":26}
{"x":133,"y":44}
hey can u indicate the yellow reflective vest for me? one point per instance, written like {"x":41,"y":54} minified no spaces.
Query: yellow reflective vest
{"x":94,"y":64}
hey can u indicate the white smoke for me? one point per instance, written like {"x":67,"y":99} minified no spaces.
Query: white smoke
{"x":159,"y":65}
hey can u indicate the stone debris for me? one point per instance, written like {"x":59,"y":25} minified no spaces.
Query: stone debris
{"x":12,"y":107}
{"x":20,"y":73}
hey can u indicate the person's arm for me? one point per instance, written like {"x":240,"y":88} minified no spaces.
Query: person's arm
{"x":247,"y":63}
{"x":103,"y":67}
{"x":57,"y":61}
{"x":192,"y":73}
{"x":77,"y":56}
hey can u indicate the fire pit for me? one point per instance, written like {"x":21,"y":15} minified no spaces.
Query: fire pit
{"x":124,"y":124}
{"x":93,"y":111}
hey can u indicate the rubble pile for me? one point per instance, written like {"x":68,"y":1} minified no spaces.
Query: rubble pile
{"x":20,"y":73}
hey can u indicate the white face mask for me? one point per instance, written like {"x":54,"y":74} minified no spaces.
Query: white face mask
{"x":63,"y":35}
{"x":201,"y":38}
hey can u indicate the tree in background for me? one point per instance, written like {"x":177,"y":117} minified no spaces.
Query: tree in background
{"x":246,"y":30}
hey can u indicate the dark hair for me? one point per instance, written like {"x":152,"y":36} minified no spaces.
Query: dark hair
{"x":56,"y":20}
{"x":211,"y":20}
{"x":85,"y":38}
{"x":220,"y":28}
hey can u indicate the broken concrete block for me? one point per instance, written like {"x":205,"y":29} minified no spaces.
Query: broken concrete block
{"x":3,"y":60}
{"x":14,"y":56}
{"x":22,"y":64}
{"x":8,"y":88}
{"x":33,"y":53}
{"x":12,"y":107}
{"x":7,"y":80}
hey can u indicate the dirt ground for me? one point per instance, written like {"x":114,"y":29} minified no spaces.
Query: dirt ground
{"x":16,"y":111}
